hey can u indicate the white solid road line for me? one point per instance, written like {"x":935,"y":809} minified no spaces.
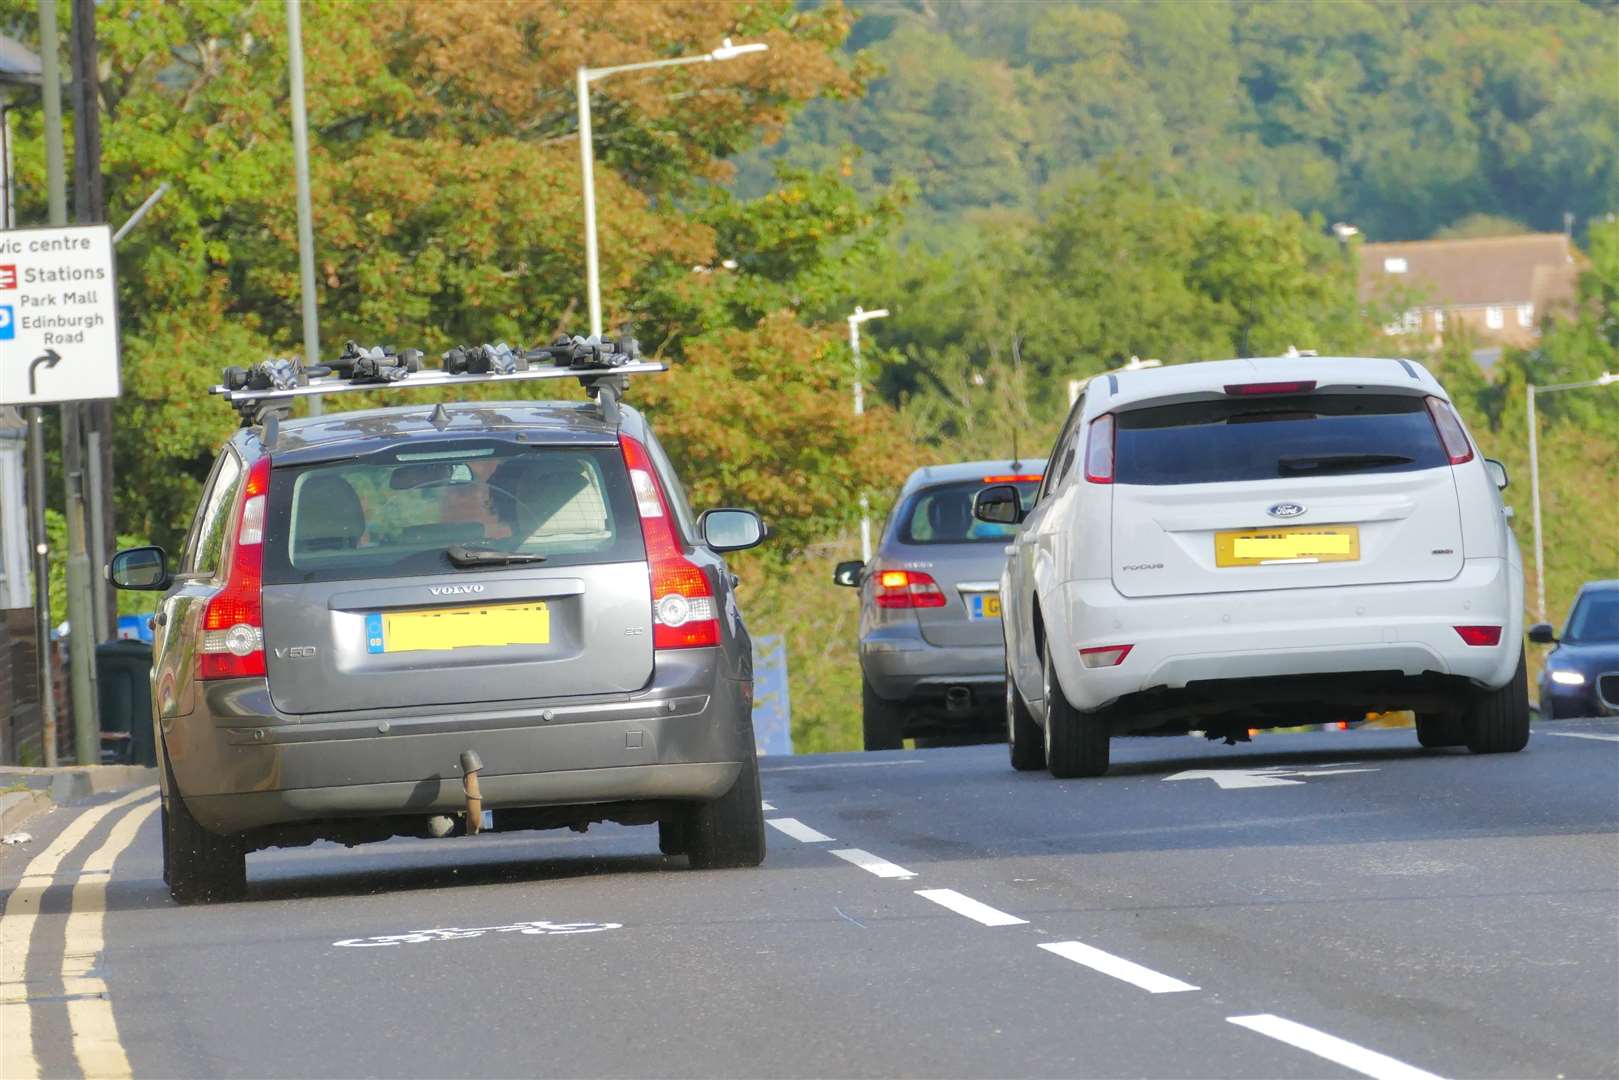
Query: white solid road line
{"x":1345,"y":1053}
{"x":89,"y":1012}
{"x":798,"y":830}
{"x":872,"y":864}
{"x":1583,"y":735}
{"x":17,"y":930}
{"x":966,"y":905}
{"x":1117,"y":966}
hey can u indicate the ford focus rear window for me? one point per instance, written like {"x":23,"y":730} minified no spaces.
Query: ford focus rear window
{"x":1293,"y":437}
{"x":944,"y":515}
{"x":397,"y":513}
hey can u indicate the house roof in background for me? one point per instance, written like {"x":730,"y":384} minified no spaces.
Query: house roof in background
{"x":18,"y":65}
{"x":1538,"y":268}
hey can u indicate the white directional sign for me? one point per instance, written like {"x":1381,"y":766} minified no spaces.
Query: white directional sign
{"x":1274,"y":776}
{"x":58,"y":315}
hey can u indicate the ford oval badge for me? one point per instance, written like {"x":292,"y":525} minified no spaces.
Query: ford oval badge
{"x":1285,"y":510}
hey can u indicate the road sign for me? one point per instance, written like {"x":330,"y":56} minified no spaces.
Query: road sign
{"x":58,"y":315}
{"x":1274,"y":776}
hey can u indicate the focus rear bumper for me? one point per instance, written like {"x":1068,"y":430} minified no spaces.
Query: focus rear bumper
{"x":1202,"y":639}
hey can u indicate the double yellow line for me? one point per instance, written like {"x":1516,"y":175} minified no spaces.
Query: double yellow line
{"x":95,"y":1033}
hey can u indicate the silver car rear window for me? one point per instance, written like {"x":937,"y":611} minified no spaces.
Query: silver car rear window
{"x":395,"y":513}
{"x":943,"y":514}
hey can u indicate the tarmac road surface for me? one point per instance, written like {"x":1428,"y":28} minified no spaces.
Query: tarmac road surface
{"x":1330,"y":904}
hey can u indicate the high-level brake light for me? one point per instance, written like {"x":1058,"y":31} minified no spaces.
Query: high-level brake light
{"x":683,"y":610}
{"x":233,"y":622}
{"x":1099,"y":450}
{"x":1457,"y":448}
{"x":1021,"y":478}
{"x":908,"y":589}
{"x":1100,"y":656}
{"x":1252,"y":389}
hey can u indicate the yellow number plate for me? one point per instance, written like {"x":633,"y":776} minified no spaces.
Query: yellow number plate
{"x":464,"y":627}
{"x":1317,"y":543}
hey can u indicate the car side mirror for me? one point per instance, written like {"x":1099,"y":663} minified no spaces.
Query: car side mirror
{"x":999,"y":505}
{"x":848,"y":573}
{"x":1498,"y":473}
{"x":143,"y":569}
{"x":731,"y":530}
{"x":1543,"y":634}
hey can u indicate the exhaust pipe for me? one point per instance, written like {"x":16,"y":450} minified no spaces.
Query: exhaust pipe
{"x":958,"y":699}
{"x":470,"y":764}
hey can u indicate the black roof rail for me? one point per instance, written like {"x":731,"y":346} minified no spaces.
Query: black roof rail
{"x":268,"y":389}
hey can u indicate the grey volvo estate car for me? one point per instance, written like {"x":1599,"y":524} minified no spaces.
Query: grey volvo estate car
{"x":932,"y":656}
{"x":384,"y":623}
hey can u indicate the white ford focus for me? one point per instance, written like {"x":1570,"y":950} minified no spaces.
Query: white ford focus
{"x":1260,"y":543}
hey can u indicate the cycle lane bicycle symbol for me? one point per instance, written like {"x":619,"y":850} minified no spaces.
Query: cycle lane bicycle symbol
{"x":538,"y":927}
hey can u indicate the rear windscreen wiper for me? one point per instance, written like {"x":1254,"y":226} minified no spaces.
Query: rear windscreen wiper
{"x":1317,"y":464}
{"x":464,"y":556}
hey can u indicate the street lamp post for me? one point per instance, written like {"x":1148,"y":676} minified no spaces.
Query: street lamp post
{"x":1606,"y":378}
{"x":861,"y":315}
{"x":587,"y":154}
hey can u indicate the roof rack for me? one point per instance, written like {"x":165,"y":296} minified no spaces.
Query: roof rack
{"x":266,"y":391}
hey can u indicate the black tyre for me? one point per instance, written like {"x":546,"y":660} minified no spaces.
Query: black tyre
{"x":201,"y":867}
{"x":1438,"y":730}
{"x":881,"y":722}
{"x":730,"y":831}
{"x":1498,"y":722}
{"x":672,"y":836}
{"x":1024,"y":741}
{"x":1076,"y":743}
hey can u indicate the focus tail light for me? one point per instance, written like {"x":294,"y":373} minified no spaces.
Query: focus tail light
{"x":908,"y":589}
{"x":684,"y":615}
{"x":1099,"y":656}
{"x":233,"y":622}
{"x":1449,"y":426}
{"x":1099,"y":450}
{"x":1480,"y":635}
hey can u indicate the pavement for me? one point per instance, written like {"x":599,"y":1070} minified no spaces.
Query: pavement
{"x":1328,"y":904}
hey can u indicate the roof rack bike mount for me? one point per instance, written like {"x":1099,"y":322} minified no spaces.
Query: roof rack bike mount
{"x":266,"y":391}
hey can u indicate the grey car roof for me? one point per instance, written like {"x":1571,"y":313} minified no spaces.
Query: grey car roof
{"x":970,"y":470}
{"x":347,"y":434}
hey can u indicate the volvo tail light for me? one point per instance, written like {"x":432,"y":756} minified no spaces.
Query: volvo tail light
{"x":233,"y":622}
{"x":1099,"y":450}
{"x":908,"y":589}
{"x":1449,"y":426}
{"x":684,"y":614}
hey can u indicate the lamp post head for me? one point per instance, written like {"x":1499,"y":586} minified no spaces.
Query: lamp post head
{"x":862,"y":315}
{"x":1608,"y":377}
{"x":727,"y":51}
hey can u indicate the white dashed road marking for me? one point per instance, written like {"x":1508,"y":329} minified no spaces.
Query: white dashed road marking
{"x":1345,"y":1053}
{"x":765,"y":806}
{"x":1117,"y":966}
{"x":844,"y":765}
{"x":872,"y":864}
{"x":966,"y":905}
{"x":1583,"y":735}
{"x":797,"y":830}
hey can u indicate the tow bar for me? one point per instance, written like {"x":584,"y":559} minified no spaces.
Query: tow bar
{"x":470,"y":764}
